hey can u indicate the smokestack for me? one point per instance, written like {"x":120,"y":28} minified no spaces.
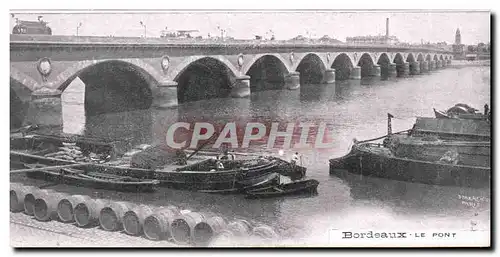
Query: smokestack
{"x":387,"y":27}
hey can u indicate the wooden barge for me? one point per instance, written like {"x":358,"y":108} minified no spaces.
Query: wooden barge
{"x":440,"y":151}
{"x":236,"y":176}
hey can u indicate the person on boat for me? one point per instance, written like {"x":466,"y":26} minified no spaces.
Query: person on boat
{"x":181,"y":157}
{"x":486,"y":109}
{"x":219,"y":164}
{"x":232,"y":155}
{"x":295,"y":158}
{"x":225,"y":155}
{"x":450,"y":157}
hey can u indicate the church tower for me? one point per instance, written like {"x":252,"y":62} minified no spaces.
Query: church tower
{"x":458,"y":48}
{"x":458,"y":37}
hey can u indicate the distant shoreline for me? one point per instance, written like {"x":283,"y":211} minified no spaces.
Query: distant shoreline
{"x":464,"y":63}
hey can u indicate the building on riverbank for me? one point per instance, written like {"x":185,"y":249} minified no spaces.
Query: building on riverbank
{"x":32,"y":27}
{"x":378,"y":39}
{"x":458,"y":47}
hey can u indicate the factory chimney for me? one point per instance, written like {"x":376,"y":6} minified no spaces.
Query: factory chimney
{"x":387,"y":27}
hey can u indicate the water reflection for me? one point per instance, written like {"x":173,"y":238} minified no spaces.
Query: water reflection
{"x":73,"y":107}
{"x":351,"y":109}
{"x":318,"y":93}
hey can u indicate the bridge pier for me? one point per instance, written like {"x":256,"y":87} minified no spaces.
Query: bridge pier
{"x":432,"y":65}
{"x":414,"y":68}
{"x":241,"y":87}
{"x":329,"y":76}
{"x":392,"y":70}
{"x":166,"y":95}
{"x":443,"y":63}
{"x":424,"y":66}
{"x":376,"y":71}
{"x":438,"y":64}
{"x":404,"y":69}
{"x":449,"y":61}
{"x":45,"y":108}
{"x":292,"y":80}
{"x":355,"y":73}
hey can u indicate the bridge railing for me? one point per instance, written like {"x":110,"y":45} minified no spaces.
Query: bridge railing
{"x":138,"y":41}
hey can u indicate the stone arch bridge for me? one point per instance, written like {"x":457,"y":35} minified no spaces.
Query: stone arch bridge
{"x":162,"y":73}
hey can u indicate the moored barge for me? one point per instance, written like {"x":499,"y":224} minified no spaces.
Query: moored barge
{"x":369,"y":159}
{"x":440,"y":151}
{"x":205,"y":175}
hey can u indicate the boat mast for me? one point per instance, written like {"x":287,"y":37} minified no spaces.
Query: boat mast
{"x":389,"y":124}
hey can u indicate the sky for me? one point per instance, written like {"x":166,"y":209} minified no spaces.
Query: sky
{"x":408,"y":26}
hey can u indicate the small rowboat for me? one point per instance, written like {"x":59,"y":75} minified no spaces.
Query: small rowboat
{"x":80,"y":177}
{"x":470,"y":116}
{"x":440,"y":114}
{"x":463,"y":111}
{"x":294,"y":171}
{"x":268,"y":180}
{"x":295,"y":188}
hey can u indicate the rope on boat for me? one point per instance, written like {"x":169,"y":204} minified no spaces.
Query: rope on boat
{"x":49,"y":168}
{"x":377,"y":138}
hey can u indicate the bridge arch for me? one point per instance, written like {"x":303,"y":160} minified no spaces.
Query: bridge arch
{"x":428,"y":57}
{"x":410,"y":58}
{"x":111,"y":85}
{"x":311,"y":68}
{"x":400,"y":62}
{"x":20,"y":95}
{"x":266,"y":71}
{"x":383,"y":58}
{"x":420,"y":57}
{"x":23,"y":79}
{"x":247,"y":65}
{"x":366,"y":62}
{"x":343,"y":65}
{"x":200,"y":78}
{"x":181,"y":67}
{"x":140,"y":66}
{"x":384,"y":61}
{"x":398,"y":58}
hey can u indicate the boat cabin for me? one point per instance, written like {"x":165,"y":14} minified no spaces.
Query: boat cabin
{"x":453,"y":129}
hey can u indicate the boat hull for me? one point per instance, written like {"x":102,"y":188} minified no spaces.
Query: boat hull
{"x":374,"y":160}
{"x":267,"y":180}
{"x":216,"y":180}
{"x":309,"y":187}
{"x":470,"y":153}
{"x":225,"y":180}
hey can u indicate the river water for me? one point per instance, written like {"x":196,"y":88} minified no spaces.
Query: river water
{"x":351,"y":109}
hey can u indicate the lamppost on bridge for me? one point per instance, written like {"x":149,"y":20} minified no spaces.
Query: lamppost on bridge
{"x":222,"y":31}
{"x":270,"y":35}
{"x":77,"y":28}
{"x":144,"y":25}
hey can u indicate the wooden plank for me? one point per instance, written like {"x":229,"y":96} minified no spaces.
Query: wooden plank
{"x":453,"y":126}
{"x":49,"y":168}
{"x":89,"y":164}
